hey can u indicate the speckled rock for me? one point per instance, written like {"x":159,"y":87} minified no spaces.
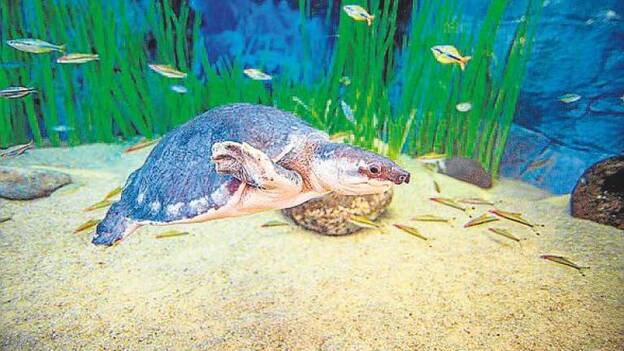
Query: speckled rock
{"x":329,"y":214}
{"x":27,"y":184}
{"x":599,"y":193}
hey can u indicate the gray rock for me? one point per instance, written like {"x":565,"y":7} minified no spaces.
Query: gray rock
{"x":330,"y":214}
{"x":27,"y":184}
{"x":467,"y":170}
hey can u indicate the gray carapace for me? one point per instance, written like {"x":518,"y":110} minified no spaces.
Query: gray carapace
{"x":236,"y":160}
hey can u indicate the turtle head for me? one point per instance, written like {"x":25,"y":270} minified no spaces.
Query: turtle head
{"x":349,"y":170}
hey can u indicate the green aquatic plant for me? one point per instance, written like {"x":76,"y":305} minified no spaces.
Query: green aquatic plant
{"x":400,"y":97}
{"x":423,"y":116}
{"x":117,"y":96}
{"x":435,"y":90}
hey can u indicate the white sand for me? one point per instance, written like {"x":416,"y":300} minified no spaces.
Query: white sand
{"x":232,"y":285}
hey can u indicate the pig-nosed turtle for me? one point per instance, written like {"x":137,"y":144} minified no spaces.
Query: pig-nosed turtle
{"x":236,"y":160}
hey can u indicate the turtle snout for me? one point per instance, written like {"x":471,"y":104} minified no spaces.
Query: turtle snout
{"x":400,"y":177}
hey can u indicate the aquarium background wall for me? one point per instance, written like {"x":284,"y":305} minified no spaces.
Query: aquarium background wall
{"x":526,"y":55}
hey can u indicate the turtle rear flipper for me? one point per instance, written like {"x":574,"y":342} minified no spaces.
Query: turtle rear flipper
{"x":113,"y":227}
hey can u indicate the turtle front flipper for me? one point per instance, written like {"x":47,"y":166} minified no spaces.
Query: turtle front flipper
{"x":114,"y":227}
{"x":252,"y":166}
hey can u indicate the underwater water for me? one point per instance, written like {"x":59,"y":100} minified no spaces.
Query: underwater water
{"x":312,"y":175}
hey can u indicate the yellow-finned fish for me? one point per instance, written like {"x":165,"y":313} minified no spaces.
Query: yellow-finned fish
{"x":78,"y":58}
{"x":484,"y":218}
{"x":411,"y":231}
{"x":363,"y":222}
{"x":140,"y":145}
{"x":273,"y":223}
{"x":564,"y":261}
{"x":87,"y":225}
{"x":359,"y":13}
{"x":35,"y":46}
{"x":167,"y":71}
{"x":16,"y":92}
{"x":256,"y":74}
{"x":171,"y":234}
{"x":449,"y":54}
{"x":14,"y":151}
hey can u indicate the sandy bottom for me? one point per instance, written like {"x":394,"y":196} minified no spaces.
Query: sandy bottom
{"x":232,"y":285}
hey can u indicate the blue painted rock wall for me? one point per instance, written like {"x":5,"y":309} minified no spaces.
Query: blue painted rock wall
{"x":579,"y":49}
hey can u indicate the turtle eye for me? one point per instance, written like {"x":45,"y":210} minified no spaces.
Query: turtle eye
{"x":374,"y":169}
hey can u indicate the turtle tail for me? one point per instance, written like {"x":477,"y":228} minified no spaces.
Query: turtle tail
{"x":113,"y":227}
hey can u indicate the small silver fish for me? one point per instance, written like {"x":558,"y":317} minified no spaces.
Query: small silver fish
{"x":171,"y":234}
{"x":411,"y":231}
{"x":463,"y":107}
{"x":111,"y":194}
{"x":256,"y":74}
{"x":274,"y":223}
{"x":62,"y":128}
{"x":98,"y":205}
{"x":436,"y":187}
{"x":475,"y":201}
{"x":16,"y":92}
{"x":569,"y":98}
{"x":484,"y":218}
{"x":564,"y":261}
{"x":87,"y":225}
{"x":167,"y":71}
{"x":432,"y":157}
{"x":430,"y":218}
{"x":140,"y":145}
{"x":448,"y":202}
{"x":363,"y":222}
{"x":78,"y":58}
{"x":35,"y":46}
{"x":348,"y":113}
{"x":539,"y":164}
{"x":512,"y":216}
{"x":15,"y":150}
{"x":180,"y":89}
{"x":505,"y":233}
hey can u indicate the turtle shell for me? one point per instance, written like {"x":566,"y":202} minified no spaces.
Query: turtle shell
{"x":178,"y":179}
